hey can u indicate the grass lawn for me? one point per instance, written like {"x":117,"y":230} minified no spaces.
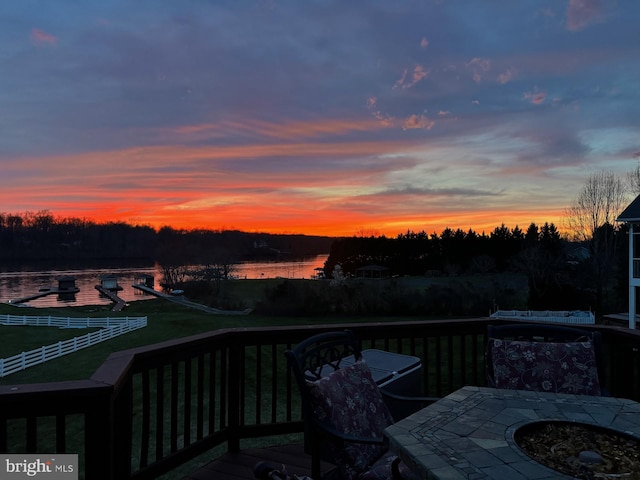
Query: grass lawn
{"x":166,"y":321}
{"x":16,"y":340}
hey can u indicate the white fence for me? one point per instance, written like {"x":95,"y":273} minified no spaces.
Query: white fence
{"x":64,"y":322}
{"x":571,"y":317}
{"x":109,"y":328}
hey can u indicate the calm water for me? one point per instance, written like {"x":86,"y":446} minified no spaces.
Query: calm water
{"x":20,"y":284}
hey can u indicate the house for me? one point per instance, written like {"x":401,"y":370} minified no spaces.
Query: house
{"x":631,"y":216}
{"x":372,"y":271}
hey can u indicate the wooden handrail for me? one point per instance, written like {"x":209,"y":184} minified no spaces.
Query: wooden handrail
{"x":148,"y":410}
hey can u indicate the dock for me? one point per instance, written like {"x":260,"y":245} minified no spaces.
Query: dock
{"x":66,"y":286}
{"x":44,"y":293}
{"x":118,"y":303}
{"x":188,"y":303}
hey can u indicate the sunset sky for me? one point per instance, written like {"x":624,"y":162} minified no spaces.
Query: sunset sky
{"x":319,"y":117}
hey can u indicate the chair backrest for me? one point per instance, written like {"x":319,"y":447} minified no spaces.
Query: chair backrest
{"x":321,"y":354}
{"x":544,"y":357}
{"x":339,"y":397}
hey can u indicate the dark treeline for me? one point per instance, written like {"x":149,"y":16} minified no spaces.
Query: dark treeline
{"x":40,"y":236}
{"x":561,"y":274}
{"x":452,"y":252}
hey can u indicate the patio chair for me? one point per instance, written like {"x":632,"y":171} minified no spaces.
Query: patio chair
{"x":544,"y":357}
{"x":344,"y":410}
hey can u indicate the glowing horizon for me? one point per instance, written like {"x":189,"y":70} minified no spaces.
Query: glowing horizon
{"x":479,"y":224}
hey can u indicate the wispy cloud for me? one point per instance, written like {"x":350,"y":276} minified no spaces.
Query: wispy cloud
{"x":582,"y":13}
{"x":40,"y":37}
{"x":479,"y":67}
{"x":508,"y":75}
{"x":286,"y":130}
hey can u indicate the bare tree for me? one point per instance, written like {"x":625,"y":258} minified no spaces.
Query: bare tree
{"x":591,"y":218}
{"x":633,"y":178}
{"x":173,"y":274}
{"x":599,"y":203}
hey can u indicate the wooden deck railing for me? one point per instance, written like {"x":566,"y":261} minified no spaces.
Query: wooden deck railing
{"x":149,"y":410}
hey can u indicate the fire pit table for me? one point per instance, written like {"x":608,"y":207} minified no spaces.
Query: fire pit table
{"x":470,"y":434}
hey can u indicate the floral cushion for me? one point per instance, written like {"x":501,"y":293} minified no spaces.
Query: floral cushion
{"x":545,"y":367}
{"x":349,"y":401}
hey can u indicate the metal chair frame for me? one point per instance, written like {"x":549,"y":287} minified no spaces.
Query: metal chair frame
{"x":317,"y":357}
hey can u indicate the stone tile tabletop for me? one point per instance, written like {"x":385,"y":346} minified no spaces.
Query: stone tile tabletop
{"x":469,"y":433}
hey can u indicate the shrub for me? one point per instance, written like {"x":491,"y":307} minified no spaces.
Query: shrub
{"x":402,"y":296}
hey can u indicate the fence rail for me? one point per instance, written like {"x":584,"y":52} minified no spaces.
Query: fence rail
{"x":109,"y":328}
{"x":64,"y":322}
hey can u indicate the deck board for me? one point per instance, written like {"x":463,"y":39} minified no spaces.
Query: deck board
{"x":236,"y":466}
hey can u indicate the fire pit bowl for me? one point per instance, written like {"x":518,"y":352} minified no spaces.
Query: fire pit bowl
{"x":581,"y":450}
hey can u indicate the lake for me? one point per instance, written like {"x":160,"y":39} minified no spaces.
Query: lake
{"x":17,"y":284}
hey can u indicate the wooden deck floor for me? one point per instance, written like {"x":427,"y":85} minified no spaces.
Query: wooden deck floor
{"x":236,"y":466}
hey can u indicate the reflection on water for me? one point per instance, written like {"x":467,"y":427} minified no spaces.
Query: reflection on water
{"x":20,"y":284}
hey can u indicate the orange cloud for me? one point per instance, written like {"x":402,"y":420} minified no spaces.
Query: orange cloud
{"x":418,"y":74}
{"x":418,"y":121}
{"x":213,"y":187}
{"x":39,"y":37}
{"x":383,"y":119}
{"x":321,"y":203}
{"x":536,"y":97}
{"x":183,"y":164}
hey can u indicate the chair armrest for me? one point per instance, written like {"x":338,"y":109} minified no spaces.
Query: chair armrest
{"x":409,"y":398}
{"x":345,"y":437}
{"x":408,"y":404}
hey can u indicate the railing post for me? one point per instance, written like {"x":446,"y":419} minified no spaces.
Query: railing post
{"x":234,"y":377}
{"x":100,"y":440}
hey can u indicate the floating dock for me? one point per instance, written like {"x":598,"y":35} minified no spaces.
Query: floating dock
{"x":118,"y":303}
